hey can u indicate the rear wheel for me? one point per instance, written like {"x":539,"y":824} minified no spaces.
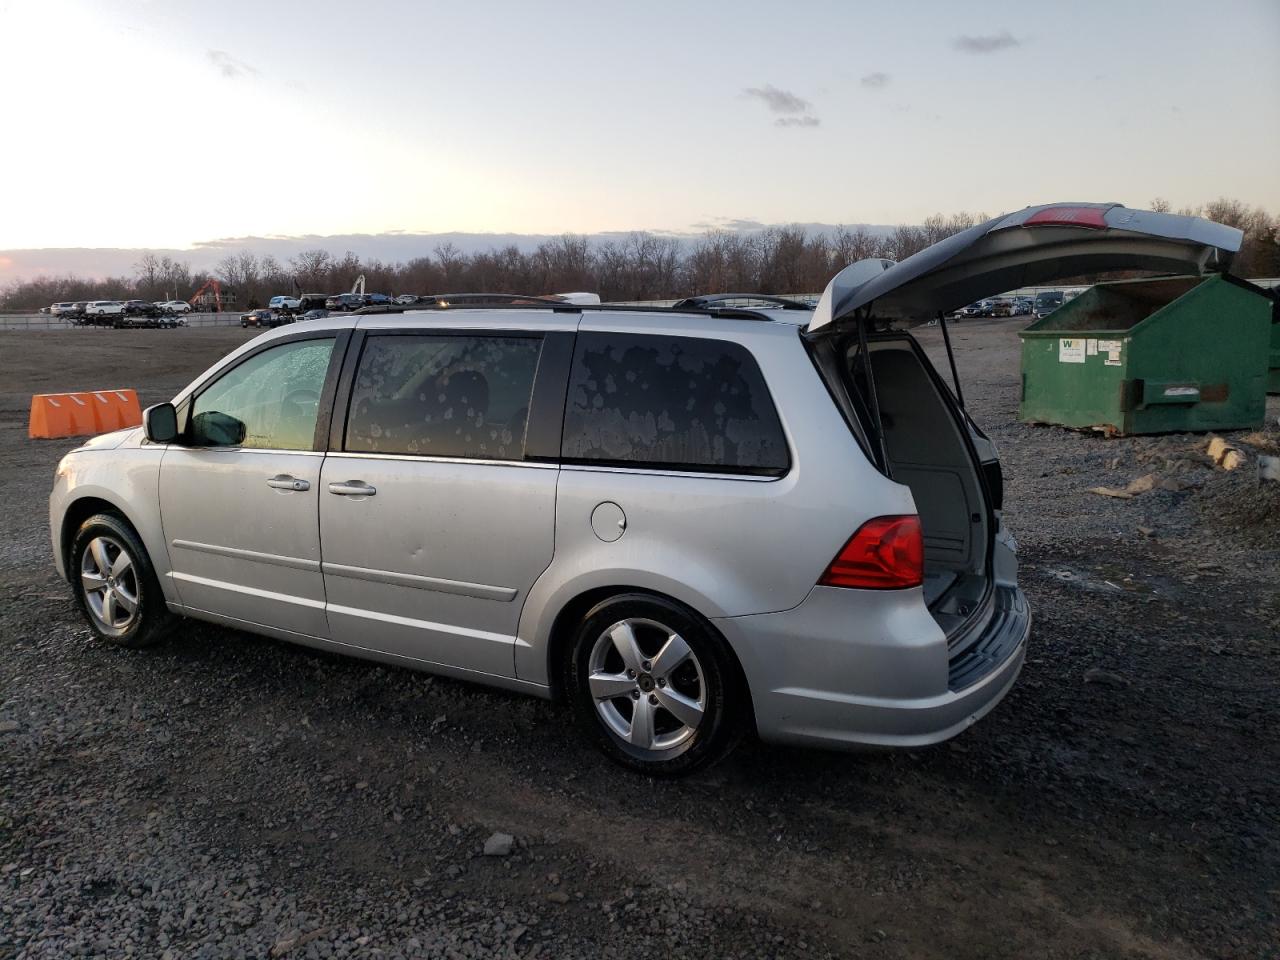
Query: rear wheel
{"x":656,"y":687}
{"x":116,"y":585}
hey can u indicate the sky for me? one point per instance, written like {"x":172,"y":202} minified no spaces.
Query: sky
{"x":167,"y":124}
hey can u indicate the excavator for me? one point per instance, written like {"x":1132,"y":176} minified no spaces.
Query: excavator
{"x":216,"y":287}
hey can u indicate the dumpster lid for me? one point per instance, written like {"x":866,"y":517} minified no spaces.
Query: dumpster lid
{"x":1034,"y":246}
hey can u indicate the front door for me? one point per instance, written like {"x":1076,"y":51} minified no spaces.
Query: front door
{"x":239,"y":495}
{"x":434,"y":522}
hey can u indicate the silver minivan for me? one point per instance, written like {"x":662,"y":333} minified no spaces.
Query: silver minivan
{"x":689,"y":523}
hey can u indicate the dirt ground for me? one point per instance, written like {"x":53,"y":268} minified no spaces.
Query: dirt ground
{"x":223,"y":795}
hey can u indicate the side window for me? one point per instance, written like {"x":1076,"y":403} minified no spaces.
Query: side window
{"x":269,"y":401}
{"x":678,"y":403}
{"x":443,"y":396}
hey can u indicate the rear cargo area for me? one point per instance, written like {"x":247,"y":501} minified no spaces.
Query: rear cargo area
{"x":925,"y":447}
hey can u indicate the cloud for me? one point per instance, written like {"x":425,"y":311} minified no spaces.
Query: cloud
{"x":875,"y":81}
{"x":229,"y":66}
{"x":778,"y":101}
{"x":804,"y":121}
{"x":987,"y":43}
{"x":729,"y":223}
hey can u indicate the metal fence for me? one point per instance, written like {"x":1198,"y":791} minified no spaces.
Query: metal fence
{"x":43,"y":321}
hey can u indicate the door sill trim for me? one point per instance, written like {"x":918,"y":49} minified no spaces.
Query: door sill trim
{"x":416,"y":624}
{"x":251,"y":591}
{"x":236,"y":553}
{"x":480,"y":591}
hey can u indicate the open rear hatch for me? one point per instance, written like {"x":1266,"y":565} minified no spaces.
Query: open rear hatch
{"x":1038,"y":245}
{"x":912,"y":424}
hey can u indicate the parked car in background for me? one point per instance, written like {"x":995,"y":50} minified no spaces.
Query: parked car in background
{"x":285,"y":303}
{"x":377,"y":299}
{"x":1002,"y":307}
{"x":344,"y":301}
{"x":62,"y":309}
{"x":261,"y":317}
{"x":314,"y":315}
{"x":140,"y":308}
{"x":972,"y":310}
{"x":1022,"y":306}
{"x":97,"y":309}
{"x":407,"y":298}
{"x":1046,"y":302}
{"x":174,"y":306}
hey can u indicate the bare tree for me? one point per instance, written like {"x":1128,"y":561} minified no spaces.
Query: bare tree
{"x":240,"y":272}
{"x":850,"y":246}
{"x":175,"y":275}
{"x":148,"y":272}
{"x":451,"y":261}
{"x":311,"y":267}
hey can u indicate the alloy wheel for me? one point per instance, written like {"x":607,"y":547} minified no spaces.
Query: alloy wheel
{"x":109,"y":581}
{"x":647,"y":685}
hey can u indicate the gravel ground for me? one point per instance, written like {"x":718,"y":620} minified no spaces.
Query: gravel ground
{"x":223,"y":795}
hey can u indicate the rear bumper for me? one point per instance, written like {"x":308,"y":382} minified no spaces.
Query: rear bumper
{"x":853,"y":669}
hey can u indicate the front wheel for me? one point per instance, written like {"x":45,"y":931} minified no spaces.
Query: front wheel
{"x":656,"y":686}
{"x":116,"y":585}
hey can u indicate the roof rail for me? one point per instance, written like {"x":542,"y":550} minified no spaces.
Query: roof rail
{"x":709,"y":299}
{"x":445,"y":300}
{"x":444,"y":303}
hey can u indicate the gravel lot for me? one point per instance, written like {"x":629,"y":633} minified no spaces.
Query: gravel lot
{"x":223,"y":795}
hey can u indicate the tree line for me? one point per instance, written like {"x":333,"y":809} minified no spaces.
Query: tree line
{"x":636,"y":266}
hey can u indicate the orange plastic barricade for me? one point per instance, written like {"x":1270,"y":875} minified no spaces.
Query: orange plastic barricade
{"x":80,"y":414}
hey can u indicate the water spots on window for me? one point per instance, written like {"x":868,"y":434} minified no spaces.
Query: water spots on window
{"x":670,"y":400}
{"x":446,"y":396}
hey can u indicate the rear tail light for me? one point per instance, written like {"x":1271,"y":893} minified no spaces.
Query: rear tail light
{"x":886,"y":553}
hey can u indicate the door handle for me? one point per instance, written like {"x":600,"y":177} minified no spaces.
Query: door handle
{"x":286,"y":482}
{"x":352,"y":488}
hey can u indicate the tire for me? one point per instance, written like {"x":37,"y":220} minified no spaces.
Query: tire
{"x":95,"y":558}
{"x":695,"y":707}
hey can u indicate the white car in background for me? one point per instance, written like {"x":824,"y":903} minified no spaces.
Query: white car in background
{"x":103,"y":308}
{"x":61,"y":309}
{"x":174,"y":306}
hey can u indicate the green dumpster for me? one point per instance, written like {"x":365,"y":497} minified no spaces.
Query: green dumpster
{"x":1151,"y":356}
{"x":1273,"y":377}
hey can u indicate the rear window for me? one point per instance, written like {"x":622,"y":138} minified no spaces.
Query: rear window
{"x":443,"y":396}
{"x":675,"y":403}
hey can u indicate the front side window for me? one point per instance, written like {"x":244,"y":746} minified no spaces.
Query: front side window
{"x":678,"y":403}
{"x":269,"y":401}
{"x":443,"y":396}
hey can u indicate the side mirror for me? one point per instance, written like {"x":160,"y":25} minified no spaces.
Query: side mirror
{"x":160,"y":423}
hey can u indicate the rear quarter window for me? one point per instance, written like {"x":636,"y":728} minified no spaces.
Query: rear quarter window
{"x":675,"y":403}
